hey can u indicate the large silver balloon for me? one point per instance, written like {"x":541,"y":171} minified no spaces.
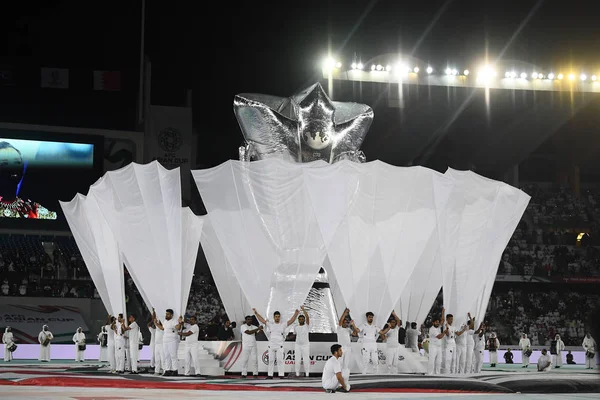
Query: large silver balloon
{"x":305,"y":127}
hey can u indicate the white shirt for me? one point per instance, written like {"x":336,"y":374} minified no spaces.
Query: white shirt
{"x":79,"y":337}
{"x":369,"y":333}
{"x":544,"y":361}
{"x":412,"y":337}
{"x":332,"y":367}
{"x":158,"y":339}
{"x":134,"y":333}
{"x":589,"y":344}
{"x":344,"y":336}
{"x":524,"y":344}
{"x":301,"y":333}
{"x":8,"y":338}
{"x":110,"y":335}
{"x":276,"y":333}
{"x":152,"y":335}
{"x":450,"y":339}
{"x":43,"y":335}
{"x":462,"y":339}
{"x":193,"y":338}
{"x":170,"y":331}
{"x":479,"y":342}
{"x":119,"y":338}
{"x":433,"y":340}
{"x":391,"y":337}
{"x":248,"y":340}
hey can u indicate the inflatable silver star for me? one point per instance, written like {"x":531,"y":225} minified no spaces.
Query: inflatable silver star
{"x":305,"y":127}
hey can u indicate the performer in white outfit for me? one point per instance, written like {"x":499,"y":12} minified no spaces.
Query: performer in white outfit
{"x":302,"y":345}
{"x":133,"y":331}
{"x":525,"y":345}
{"x":152,"y":330}
{"x":333,"y":379}
{"x":461,"y":347}
{"x":110,"y":343}
{"x":8,"y":340}
{"x":368,"y":334}
{"x":493,"y":346}
{"x":248,"y":333}
{"x":412,"y":338}
{"x":103,"y":342}
{"x":117,"y":328}
{"x":170,"y":328}
{"x":345,"y":330}
{"x":450,"y":341}
{"x":192,"y":348}
{"x":558,"y":346}
{"x":470,"y":347}
{"x":79,"y":340}
{"x":436,"y":335}
{"x":479,"y":338}
{"x":44,"y":338}
{"x":544,"y":363}
{"x":276,"y":335}
{"x":159,"y":358}
{"x":390,"y":332}
{"x":589,"y":346}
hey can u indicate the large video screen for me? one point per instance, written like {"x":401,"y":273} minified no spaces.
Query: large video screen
{"x":35,"y":174}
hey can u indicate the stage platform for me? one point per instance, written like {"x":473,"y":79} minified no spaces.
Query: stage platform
{"x":90,"y":380}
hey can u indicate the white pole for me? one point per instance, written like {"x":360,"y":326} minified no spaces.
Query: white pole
{"x":141,"y":88}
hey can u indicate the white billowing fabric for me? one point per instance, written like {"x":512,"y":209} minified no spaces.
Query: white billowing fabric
{"x":264,"y":220}
{"x":392,"y":212}
{"x":99,"y":249}
{"x":142,"y":205}
{"x":228,"y":286}
{"x":481,"y":216}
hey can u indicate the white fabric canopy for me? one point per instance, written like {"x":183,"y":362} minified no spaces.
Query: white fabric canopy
{"x":264,"y":220}
{"x":192,"y":227}
{"x":481,"y":217}
{"x":99,"y":249}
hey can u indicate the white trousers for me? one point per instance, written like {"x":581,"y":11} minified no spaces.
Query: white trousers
{"x":493,"y":357}
{"x":461,"y":359}
{"x":103,"y":354}
{"x":346,"y":358}
{"x":276,"y":351}
{"x":302,"y":353}
{"x":478,"y":361}
{"x":111,"y":356}
{"x":589,"y":362}
{"x":370,"y":355}
{"x":45,"y":353}
{"x":120,"y":356}
{"x":557,"y":360}
{"x":79,"y":355}
{"x":249,"y":357}
{"x":192,"y":358}
{"x":450,"y":360}
{"x":170,"y":355}
{"x":434,"y":364}
{"x":333,"y":383}
{"x":159,"y":358}
{"x":134,"y":355}
{"x":391,"y":359}
{"x":127,"y":358}
{"x":524,"y":358}
{"x":152,"y":357}
{"x":7,"y":354}
{"x":469,"y":359}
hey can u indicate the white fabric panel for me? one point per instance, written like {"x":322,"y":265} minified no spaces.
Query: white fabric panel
{"x":234,"y":299}
{"x":142,"y":204}
{"x":192,"y":226}
{"x":264,"y":220}
{"x":99,"y":250}
{"x":390,"y":219}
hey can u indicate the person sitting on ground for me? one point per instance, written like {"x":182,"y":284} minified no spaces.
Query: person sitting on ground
{"x":570,"y":358}
{"x":508,"y":357}
{"x":544,"y":362}
{"x":332,"y":379}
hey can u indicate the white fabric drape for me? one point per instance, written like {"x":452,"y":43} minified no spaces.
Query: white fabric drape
{"x":192,"y":227}
{"x":99,"y":249}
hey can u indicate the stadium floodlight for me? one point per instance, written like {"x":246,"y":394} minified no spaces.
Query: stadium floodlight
{"x":379,"y":67}
{"x":594,"y":78}
{"x":455,"y":72}
{"x":373,"y":67}
{"x":550,"y":75}
{"x":534,"y":75}
{"x":360,"y":66}
{"x":571,"y":77}
{"x":429,"y":70}
{"x":329,"y":63}
{"x":416,"y":70}
{"x":353,"y":66}
{"x":583,"y":77}
{"x":466,"y":72}
{"x":448,"y":71}
{"x":540,"y":76}
{"x":508,"y":74}
{"x":560,"y":76}
{"x":388,"y":68}
{"x":338,"y":64}
{"x":523,"y":75}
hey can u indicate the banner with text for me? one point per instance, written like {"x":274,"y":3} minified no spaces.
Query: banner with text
{"x":27,"y":322}
{"x":169,"y":140}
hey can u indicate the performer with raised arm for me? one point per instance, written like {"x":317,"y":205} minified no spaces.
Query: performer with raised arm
{"x":45,"y":338}
{"x":436,"y":335}
{"x":159,"y":355}
{"x":450,"y":339}
{"x":276,"y":334}
{"x":302,"y":346}
{"x":345,"y":330}
{"x":249,"y":331}
{"x":464,"y":347}
{"x":152,"y":330}
{"x":192,"y":354}
{"x":390,"y":332}
{"x":134,"y":336}
{"x":170,"y":329}
{"x":110,"y":343}
{"x":79,"y":340}
{"x":589,"y":345}
{"x":412,"y":338}
{"x":479,"y":337}
{"x":369,"y":332}
{"x":117,"y":328}
{"x":525,"y":345}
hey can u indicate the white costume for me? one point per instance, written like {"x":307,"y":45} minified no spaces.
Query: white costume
{"x":249,"y":350}
{"x":560,"y":347}
{"x":134,"y":349}
{"x":79,"y":339}
{"x":302,"y":348}
{"x":461,"y":352}
{"x":544,"y":363}
{"x":392,"y":346}
{"x":152,"y":344}
{"x":434,"y":363}
{"x":494,"y":344}
{"x":344,"y":338}
{"x":170,"y":344}
{"x":329,"y":379}
{"x":110,"y":348}
{"x":412,"y":339}
{"x":45,"y":350}
{"x":159,"y":358}
{"x":103,"y":349}
{"x":119,"y":348}
{"x":450,"y":350}
{"x":478,"y":352}
{"x":276,"y":339}
{"x":524,"y":344}
{"x":470,"y":350}
{"x":8,"y":340}
{"x":368,"y":337}
{"x":589,"y":345}
{"x":127,"y":353}
{"x":192,"y":350}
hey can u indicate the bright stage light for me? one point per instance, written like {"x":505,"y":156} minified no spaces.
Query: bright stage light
{"x":466,"y":72}
{"x":523,"y":75}
{"x":373,"y":67}
{"x":454,"y":72}
{"x":594,"y":77}
{"x":359,"y":66}
{"x":448,"y":71}
{"x":508,"y":74}
{"x":388,"y":68}
{"x":571,"y":77}
{"x":329,"y":63}
{"x":338,"y":64}
{"x":550,"y":75}
{"x":540,"y":76}
{"x":583,"y":77}
{"x":416,"y":70}
{"x":353,"y":65}
{"x":534,"y":75}
{"x":379,"y":67}
{"x":560,"y":76}
{"x":429,"y":70}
